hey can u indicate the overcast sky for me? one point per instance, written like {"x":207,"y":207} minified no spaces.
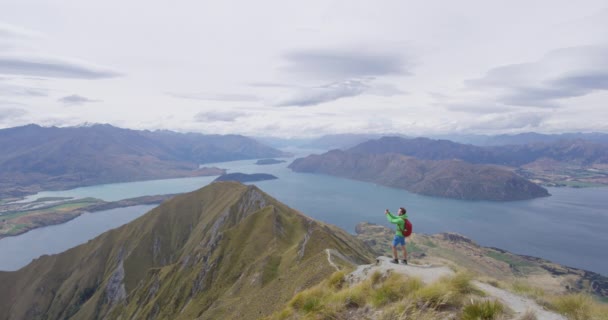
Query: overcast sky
{"x":306,"y":68}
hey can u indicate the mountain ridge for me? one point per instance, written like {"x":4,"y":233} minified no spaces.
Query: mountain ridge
{"x":445,"y":178}
{"x":38,"y":158}
{"x":194,"y":255}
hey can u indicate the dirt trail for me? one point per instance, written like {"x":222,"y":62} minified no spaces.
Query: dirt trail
{"x":428,"y":274}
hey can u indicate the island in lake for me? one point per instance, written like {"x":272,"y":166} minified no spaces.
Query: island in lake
{"x":262,"y":162}
{"x":244,"y":177}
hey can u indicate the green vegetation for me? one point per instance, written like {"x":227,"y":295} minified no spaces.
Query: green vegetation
{"x":45,"y":199}
{"x":22,"y":221}
{"x":429,"y":243}
{"x":413,"y":247}
{"x":511,"y":260}
{"x":17,"y":228}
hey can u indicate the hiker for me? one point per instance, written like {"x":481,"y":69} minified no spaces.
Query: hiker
{"x":399,"y":239}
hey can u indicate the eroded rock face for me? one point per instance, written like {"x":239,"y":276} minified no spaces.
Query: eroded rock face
{"x":115,"y":289}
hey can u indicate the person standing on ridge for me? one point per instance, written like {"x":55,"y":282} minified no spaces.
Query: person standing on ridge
{"x":399,"y":239}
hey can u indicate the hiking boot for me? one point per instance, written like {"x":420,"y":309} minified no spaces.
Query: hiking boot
{"x":395,"y":261}
{"x":404,"y":261}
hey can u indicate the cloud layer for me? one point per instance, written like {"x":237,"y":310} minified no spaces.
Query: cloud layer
{"x":218,"y":116}
{"x":75,"y":100}
{"x":343,"y":64}
{"x":563,"y":73}
{"x":52,"y":68}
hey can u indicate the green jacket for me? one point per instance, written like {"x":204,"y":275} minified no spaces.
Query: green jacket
{"x":399,"y":221}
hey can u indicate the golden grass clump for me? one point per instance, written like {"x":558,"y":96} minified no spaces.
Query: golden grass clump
{"x":408,"y":309}
{"x":461,"y":283}
{"x":437,"y":295}
{"x":574,"y":306}
{"x":394,"y":288}
{"x":352,"y":297}
{"x":485,"y":310}
{"x":525,"y":289}
{"x":310,"y":300}
{"x":336,"y":280}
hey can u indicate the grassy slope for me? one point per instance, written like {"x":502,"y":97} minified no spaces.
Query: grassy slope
{"x":225,"y":250}
{"x":490,"y":262}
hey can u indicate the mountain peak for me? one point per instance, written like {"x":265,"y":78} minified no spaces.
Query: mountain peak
{"x":195,"y":255}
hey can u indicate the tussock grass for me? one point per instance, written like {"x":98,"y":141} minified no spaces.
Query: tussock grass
{"x":448,"y":291}
{"x":352,"y":297}
{"x":310,"y":300}
{"x":525,"y":289}
{"x":376,"y":277}
{"x":461,"y":283}
{"x":395,"y":296}
{"x":574,"y":306}
{"x":484,"y":310}
{"x":579,"y":306}
{"x":336,"y":280}
{"x":437,"y":295}
{"x":409,"y":309}
{"x":394,"y":288}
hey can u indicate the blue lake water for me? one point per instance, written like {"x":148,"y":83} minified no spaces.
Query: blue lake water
{"x":568,"y":227}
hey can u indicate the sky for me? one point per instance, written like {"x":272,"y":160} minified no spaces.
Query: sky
{"x":307,"y":68}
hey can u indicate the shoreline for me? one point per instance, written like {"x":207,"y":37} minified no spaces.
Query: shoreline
{"x":55,"y":216}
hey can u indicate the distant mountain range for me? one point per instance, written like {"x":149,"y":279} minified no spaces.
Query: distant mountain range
{"x":444,"y":178}
{"x":349,"y":140}
{"x":572,"y":151}
{"x":226,"y":251}
{"x":523,"y":138}
{"x":463,"y":171}
{"x":35,"y":158}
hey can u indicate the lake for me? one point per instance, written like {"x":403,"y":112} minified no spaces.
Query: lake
{"x":568,"y":227}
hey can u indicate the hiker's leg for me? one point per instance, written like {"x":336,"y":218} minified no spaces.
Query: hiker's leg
{"x":404,"y":252}
{"x":395,"y":253}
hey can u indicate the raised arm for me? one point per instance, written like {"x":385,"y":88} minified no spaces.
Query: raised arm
{"x":391,"y":218}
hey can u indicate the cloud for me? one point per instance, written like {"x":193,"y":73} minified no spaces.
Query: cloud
{"x":343,"y":64}
{"x":14,"y":32}
{"x":216,"y":97}
{"x":10,"y":113}
{"x":511,"y":121}
{"x":478,"y":108}
{"x":563,"y":73}
{"x":7,"y":89}
{"x":325,"y":75}
{"x":75,"y":100}
{"x":218,"y":116}
{"x":310,"y":96}
{"x":316,"y":95}
{"x":52,"y":68}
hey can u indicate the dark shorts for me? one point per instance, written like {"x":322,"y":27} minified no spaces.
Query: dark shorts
{"x":398,"y":240}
